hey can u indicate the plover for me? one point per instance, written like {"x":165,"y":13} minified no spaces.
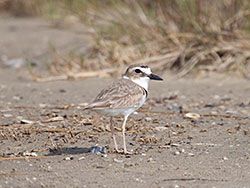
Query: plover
{"x":124,"y":97}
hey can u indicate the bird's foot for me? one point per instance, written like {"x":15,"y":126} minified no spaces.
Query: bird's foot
{"x":118,"y":150}
{"x":128,"y":152}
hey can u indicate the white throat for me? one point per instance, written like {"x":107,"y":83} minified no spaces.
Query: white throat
{"x":142,"y":81}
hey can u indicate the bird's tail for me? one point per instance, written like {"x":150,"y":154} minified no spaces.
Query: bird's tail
{"x":86,"y":108}
{"x":95,"y":105}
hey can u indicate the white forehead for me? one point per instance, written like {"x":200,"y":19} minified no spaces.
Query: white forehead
{"x":146,"y":70}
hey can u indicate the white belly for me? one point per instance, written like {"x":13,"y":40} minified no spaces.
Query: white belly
{"x":117,"y":111}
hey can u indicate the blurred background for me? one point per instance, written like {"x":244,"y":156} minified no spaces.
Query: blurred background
{"x":74,"y":39}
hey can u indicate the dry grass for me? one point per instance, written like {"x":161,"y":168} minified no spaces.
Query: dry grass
{"x":183,"y":36}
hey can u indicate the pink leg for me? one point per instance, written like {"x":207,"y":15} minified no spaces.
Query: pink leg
{"x":123,"y":135}
{"x":113,"y":135}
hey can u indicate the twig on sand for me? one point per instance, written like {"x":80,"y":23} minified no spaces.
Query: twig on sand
{"x":194,"y":179}
{"x":22,"y":158}
{"x":99,"y":73}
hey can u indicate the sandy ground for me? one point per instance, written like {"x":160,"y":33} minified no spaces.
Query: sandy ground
{"x":170,"y":150}
{"x":45,"y":136}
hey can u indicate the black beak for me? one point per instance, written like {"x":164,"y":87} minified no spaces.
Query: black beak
{"x":154,"y":77}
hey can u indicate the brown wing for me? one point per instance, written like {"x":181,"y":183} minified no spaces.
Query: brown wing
{"x":121,"y":94}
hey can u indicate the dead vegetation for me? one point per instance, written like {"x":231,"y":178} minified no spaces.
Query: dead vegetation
{"x":182,"y":36}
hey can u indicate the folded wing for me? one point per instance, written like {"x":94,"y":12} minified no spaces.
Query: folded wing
{"x":121,"y":94}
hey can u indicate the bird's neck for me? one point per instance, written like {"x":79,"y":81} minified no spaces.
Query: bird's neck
{"x":142,"y":81}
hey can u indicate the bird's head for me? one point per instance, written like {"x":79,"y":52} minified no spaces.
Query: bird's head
{"x":140,"y":74}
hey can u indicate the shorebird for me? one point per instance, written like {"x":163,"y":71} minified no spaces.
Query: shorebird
{"x":124,"y":97}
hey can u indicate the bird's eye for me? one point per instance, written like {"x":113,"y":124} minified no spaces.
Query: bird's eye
{"x":137,"y":70}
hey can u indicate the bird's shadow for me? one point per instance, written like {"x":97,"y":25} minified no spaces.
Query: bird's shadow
{"x":69,"y":151}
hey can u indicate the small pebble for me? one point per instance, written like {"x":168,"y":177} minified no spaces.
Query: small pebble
{"x":83,"y":104}
{"x":81,"y":158}
{"x":148,"y":119}
{"x":17,"y":98}
{"x":150,"y":159}
{"x":68,"y":158}
{"x":232,"y":112}
{"x":190,"y":154}
{"x":225,"y":158}
{"x":49,"y":168}
{"x":216,"y":96}
{"x":118,"y":160}
{"x":174,"y":133}
{"x":105,"y":155}
{"x":214,"y":112}
{"x":213,"y":123}
{"x":225,"y":98}
{"x":42,"y":105}
{"x":138,"y":180}
{"x":177,"y":153}
{"x":161,"y":128}
{"x":191,"y":115}
{"x":62,"y":90}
